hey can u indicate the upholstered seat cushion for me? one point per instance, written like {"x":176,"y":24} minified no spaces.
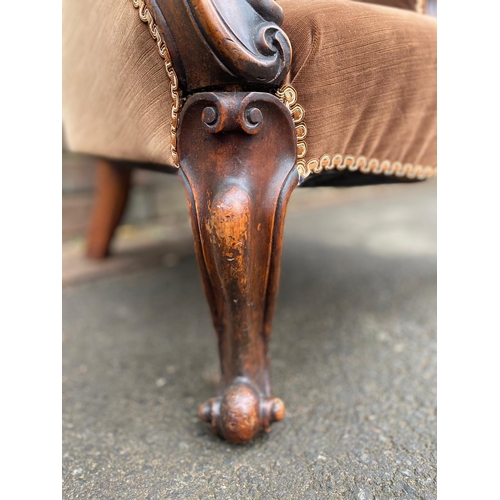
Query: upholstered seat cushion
{"x":365,"y":74}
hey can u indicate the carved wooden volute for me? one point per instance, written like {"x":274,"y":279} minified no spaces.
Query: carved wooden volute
{"x":216,"y":43}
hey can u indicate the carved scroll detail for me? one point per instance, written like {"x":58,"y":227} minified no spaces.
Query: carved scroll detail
{"x":237,"y":155}
{"x":214,"y":43}
{"x":245,"y":36}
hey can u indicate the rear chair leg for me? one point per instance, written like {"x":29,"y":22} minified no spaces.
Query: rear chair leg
{"x":237,"y":154}
{"x":112,"y":189}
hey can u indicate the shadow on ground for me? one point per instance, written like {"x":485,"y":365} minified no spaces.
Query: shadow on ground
{"x":353,"y":353}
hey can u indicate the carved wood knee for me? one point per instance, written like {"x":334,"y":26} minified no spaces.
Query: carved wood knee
{"x":237,"y":152}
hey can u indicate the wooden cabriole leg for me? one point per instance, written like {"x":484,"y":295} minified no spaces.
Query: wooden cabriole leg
{"x":237,"y":153}
{"x":112,"y":189}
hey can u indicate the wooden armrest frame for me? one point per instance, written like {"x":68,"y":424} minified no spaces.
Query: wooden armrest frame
{"x":217,"y":43}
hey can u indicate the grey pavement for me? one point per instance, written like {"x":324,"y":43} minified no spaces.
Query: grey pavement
{"x":354,"y":360}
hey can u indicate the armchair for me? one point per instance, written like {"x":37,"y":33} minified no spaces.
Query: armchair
{"x":246,"y":100}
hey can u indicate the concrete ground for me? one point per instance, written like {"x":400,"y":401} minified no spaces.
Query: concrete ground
{"x":354,"y":360}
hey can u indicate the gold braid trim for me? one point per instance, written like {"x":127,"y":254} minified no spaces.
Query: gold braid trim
{"x":367,"y":166}
{"x":288,"y":96}
{"x":146,"y":17}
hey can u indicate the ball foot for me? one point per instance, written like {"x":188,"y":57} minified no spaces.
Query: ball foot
{"x":241,"y":414}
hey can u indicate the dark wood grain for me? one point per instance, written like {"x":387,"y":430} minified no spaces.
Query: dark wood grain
{"x":215,"y":43}
{"x":237,"y":156}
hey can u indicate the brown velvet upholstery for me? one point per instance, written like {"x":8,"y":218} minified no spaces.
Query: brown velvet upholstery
{"x":365,"y":74}
{"x":414,"y":5}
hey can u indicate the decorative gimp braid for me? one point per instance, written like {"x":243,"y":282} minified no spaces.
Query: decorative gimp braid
{"x":146,"y":17}
{"x":288,"y":96}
